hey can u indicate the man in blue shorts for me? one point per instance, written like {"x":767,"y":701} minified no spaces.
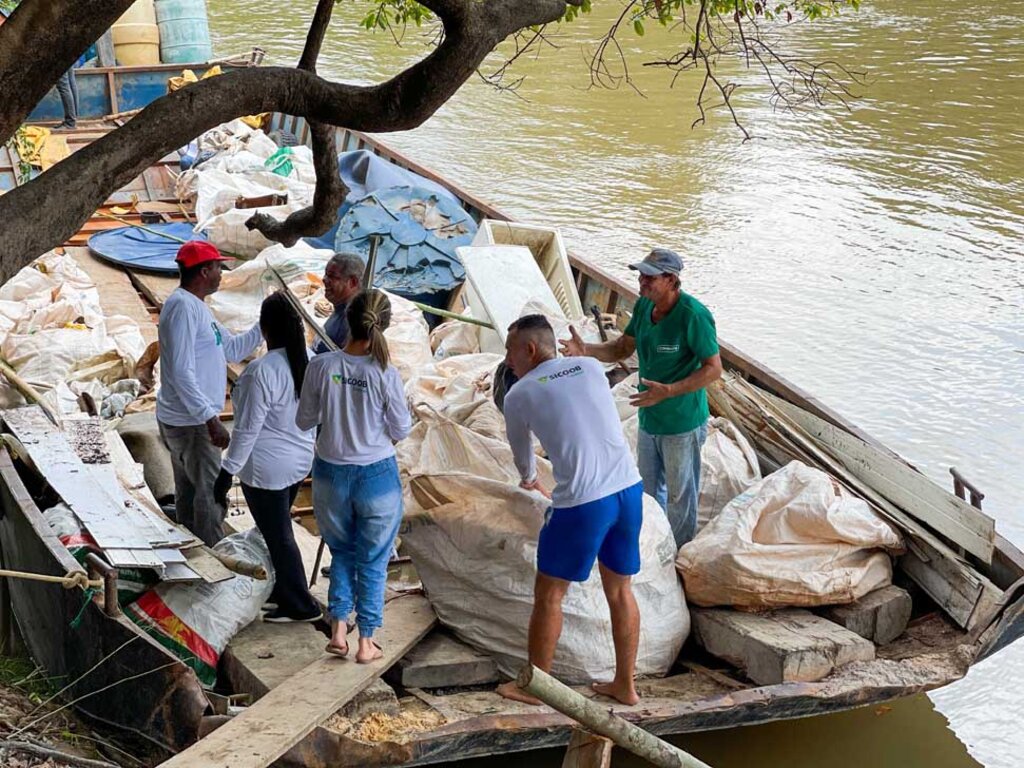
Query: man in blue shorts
{"x":597,"y":507}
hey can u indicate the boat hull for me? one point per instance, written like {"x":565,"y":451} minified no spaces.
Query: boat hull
{"x":124,"y":679}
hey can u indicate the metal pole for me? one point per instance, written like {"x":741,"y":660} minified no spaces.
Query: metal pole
{"x":99,"y":566}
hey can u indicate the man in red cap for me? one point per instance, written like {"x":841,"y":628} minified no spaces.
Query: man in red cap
{"x":194,"y":353}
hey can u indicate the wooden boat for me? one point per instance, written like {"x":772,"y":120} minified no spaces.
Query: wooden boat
{"x":967,"y":606}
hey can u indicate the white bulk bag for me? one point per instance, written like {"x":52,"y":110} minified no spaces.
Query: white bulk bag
{"x":728,"y":466}
{"x":796,"y":538}
{"x":474,"y":544}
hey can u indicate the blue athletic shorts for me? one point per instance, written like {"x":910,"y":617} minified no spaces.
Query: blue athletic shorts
{"x":607,"y":529}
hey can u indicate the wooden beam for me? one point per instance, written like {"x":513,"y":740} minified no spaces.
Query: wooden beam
{"x":600,"y":720}
{"x":278,"y":721}
{"x":117,"y":294}
{"x":907,"y":488}
{"x":587,"y":750}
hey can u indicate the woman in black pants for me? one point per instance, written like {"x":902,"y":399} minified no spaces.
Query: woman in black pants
{"x":271,"y":456}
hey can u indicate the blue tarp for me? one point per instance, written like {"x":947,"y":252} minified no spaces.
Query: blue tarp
{"x":411,"y":260}
{"x":364,"y":172}
{"x":140,"y":249}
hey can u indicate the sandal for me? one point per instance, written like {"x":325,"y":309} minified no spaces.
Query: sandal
{"x":337,"y":650}
{"x":376,"y":657}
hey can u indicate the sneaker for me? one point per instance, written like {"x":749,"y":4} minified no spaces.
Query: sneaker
{"x":276,"y":616}
{"x":269,"y":607}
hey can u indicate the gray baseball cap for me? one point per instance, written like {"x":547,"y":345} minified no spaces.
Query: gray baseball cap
{"x":660,"y":261}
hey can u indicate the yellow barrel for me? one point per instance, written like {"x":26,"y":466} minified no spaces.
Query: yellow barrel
{"x":136,"y":36}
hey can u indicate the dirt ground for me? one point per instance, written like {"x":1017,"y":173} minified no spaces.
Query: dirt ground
{"x":36,"y":733}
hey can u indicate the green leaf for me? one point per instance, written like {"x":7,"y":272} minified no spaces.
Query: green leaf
{"x":638,"y":27}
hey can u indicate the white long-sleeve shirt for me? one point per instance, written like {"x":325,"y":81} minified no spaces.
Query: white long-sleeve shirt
{"x":267,"y":450}
{"x":194,"y":352}
{"x":360,"y":407}
{"x":567,"y":404}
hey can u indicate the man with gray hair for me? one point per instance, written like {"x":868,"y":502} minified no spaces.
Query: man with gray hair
{"x":674,"y":337}
{"x":343,"y":279}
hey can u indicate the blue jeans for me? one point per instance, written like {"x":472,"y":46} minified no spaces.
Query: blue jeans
{"x":670,"y":468}
{"x":358,"y":510}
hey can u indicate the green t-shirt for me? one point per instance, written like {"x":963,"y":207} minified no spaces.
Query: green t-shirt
{"x":669,"y":351}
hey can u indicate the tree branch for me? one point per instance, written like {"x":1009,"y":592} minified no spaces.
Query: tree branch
{"x":83,"y":181}
{"x":330,"y":191}
{"x":328,"y":197}
{"x":315,"y":36}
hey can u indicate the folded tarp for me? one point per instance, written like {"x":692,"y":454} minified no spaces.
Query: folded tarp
{"x":364,"y":172}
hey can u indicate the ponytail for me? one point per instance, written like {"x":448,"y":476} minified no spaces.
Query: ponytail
{"x":369,"y":315}
{"x":282,"y":327}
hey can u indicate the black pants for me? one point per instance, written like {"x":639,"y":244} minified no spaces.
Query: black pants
{"x":270,"y":510}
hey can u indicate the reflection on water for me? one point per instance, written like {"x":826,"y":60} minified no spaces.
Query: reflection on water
{"x":872,"y":255}
{"x":895,"y":735}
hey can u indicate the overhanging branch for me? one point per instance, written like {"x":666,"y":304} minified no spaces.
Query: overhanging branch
{"x":83,"y":181}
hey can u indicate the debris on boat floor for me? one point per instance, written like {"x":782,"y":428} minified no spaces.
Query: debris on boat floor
{"x":380,"y":726}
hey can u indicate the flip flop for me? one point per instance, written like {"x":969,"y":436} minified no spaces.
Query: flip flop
{"x":375,"y":658}
{"x":337,"y":650}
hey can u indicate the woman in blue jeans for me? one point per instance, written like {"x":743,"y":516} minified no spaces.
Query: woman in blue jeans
{"x":358,"y":400}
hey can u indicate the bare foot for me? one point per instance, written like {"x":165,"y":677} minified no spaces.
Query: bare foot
{"x":512,"y":691}
{"x":368,"y":651}
{"x":624,"y":694}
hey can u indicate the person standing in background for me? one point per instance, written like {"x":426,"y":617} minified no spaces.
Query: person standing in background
{"x":271,"y":457}
{"x":676,"y":343}
{"x":357,"y":398}
{"x":342,"y":280}
{"x":194,"y":353}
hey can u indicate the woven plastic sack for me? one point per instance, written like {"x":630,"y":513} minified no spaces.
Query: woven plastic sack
{"x":196,"y":621}
{"x":474,"y":544}
{"x":728,"y":467}
{"x":796,"y":538}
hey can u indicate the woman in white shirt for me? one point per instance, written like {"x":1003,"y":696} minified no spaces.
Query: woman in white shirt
{"x":271,"y":457}
{"x":358,"y":400}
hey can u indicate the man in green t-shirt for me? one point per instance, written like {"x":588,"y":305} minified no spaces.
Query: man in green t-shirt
{"x":674,"y":337}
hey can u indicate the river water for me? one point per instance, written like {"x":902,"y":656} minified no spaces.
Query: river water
{"x":873,"y":254}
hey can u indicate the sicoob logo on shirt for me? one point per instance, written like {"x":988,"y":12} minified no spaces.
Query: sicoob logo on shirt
{"x":337,"y":378}
{"x":576,"y":370}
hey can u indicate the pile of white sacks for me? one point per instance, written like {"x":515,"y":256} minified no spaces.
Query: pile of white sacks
{"x":55,"y":336}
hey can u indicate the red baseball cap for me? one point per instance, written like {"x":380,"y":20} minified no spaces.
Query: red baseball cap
{"x":198,"y":252}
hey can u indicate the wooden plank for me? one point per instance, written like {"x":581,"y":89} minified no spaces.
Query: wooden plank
{"x":914,"y":493}
{"x":442,"y":661}
{"x":156,"y":288}
{"x":278,"y":721}
{"x":209,"y":568}
{"x":586,"y":750}
{"x":790,"y":645}
{"x":117,"y":294}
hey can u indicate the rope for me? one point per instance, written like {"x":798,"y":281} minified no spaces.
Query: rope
{"x":70,"y":581}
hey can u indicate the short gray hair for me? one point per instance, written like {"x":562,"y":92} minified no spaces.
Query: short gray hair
{"x":351,"y":264}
